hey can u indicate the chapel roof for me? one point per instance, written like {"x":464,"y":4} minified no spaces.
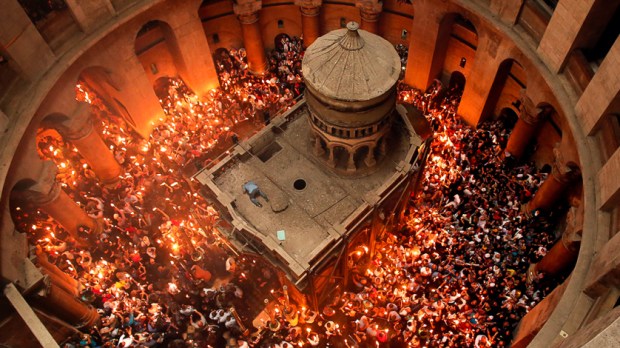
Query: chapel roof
{"x":351,"y":64}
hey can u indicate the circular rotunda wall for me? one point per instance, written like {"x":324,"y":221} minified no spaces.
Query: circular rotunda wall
{"x":44,"y":86}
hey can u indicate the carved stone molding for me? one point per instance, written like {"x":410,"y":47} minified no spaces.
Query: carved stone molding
{"x":247,"y":10}
{"x":310,"y":11}
{"x":370,"y":10}
{"x":571,"y":238}
{"x":530,"y":113}
{"x":562,"y":170}
{"x":309,"y":3}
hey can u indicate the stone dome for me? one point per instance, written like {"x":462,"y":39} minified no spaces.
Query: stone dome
{"x":351,"y":65}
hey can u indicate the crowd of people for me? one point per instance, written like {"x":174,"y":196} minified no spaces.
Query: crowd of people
{"x":453,"y":274}
{"x":157,"y":272}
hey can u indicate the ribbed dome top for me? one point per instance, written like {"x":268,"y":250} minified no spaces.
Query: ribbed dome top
{"x":351,"y":64}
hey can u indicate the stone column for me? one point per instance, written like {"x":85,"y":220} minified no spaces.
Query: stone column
{"x":560,"y":179}
{"x":247,"y":13}
{"x":4,"y":122}
{"x":564,"y":252}
{"x":562,"y":255}
{"x":56,"y":275}
{"x":534,"y":320}
{"x":609,"y":185}
{"x":370,"y":10}
{"x":486,"y":62}
{"x":573,"y":23}
{"x":310,"y":20}
{"x":601,"y":94}
{"x":370,"y":157}
{"x":331,"y":161}
{"x":427,"y":45}
{"x":351,"y":162}
{"x":79,"y":130}
{"x":28,"y":53}
{"x":47,"y":194}
{"x":525,"y":128}
{"x":198,"y":69}
{"x":132,"y":88}
{"x":318,"y":147}
{"x":383,"y":146}
{"x":69,"y":308}
{"x":604,"y":269}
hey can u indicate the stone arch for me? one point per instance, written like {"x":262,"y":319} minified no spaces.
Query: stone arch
{"x":340,"y":155}
{"x":161,"y":86}
{"x":45,"y":140}
{"x":277,"y":40}
{"x":509,"y":80}
{"x":158,"y":51}
{"x":96,"y":85}
{"x":220,"y":53}
{"x":17,"y":205}
{"x":271,"y":29}
{"x":322,"y":147}
{"x":457,"y":81}
{"x":359,"y":154}
{"x":510,"y":116}
{"x":47,"y":136}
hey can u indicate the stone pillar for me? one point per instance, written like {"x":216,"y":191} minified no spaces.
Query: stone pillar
{"x":135,"y":92}
{"x":476,"y":94}
{"x":573,"y":23}
{"x":88,"y":14}
{"x":609,"y":185}
{"x":4,"y":122}
{"x":310,"y":20}
{"x":526,"y":127}
{"x":383,"y":146}
{"x":562,"y":255}
{"x":47,"y":194}
{"x":564,"y":252}
{"x":561,"y":177}
{"x":534,"y":320}
{"x":28,"y":53}
{"x":601,"y":93}
{"x":370,"y":157}
{"x":430,"y":33}
{"x":351,"y":162}
{"x":604,"y":269}
{"x":318,"y":147}
{"x":198,"y":68}
{"x":79,"y":130}
{"x":247,"y":13}
{"x":331,"y":160}
{"x":69,"y":308}
{"x":56,"y":275}
{"x":370,"y":10}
